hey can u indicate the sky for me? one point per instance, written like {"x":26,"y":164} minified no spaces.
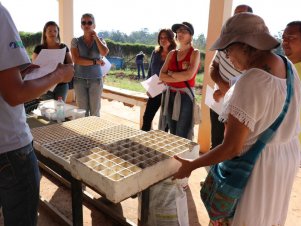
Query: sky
{"x":134,"y":15}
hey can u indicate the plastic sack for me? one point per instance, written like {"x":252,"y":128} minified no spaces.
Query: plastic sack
{"x":167,"y":204}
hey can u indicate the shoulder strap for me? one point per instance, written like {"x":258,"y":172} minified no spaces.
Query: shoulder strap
{"x":290,"y":92}
{"x":266,"y":136}
{"x":186,"y":82}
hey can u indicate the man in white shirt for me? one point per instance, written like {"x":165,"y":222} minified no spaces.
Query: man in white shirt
{"x":222,"y":72}
{"x":19,"y":173}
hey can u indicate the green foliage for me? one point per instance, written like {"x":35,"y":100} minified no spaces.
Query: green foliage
{"x":122,"y":45}
{"x":127,"y":49}
{"x":200,"y":42}
{"x":125,"y":79}
{"x":279,"y":49}
{"x":30,"y":39}
{"x":143,"y":36}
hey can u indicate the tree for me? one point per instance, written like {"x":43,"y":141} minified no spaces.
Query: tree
{"x":279,"y":49}
{"x":200,"y":42}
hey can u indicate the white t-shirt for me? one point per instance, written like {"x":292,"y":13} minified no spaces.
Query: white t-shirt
{"x":14,"y":131}
{"x":226,"y":68}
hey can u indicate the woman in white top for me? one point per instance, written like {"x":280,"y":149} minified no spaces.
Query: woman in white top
{"x":250,"y":107}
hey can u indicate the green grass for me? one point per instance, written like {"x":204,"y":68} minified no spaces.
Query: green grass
{"x":125,"y":79}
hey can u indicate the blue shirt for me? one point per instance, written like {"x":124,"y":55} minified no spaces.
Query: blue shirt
{"x":91,"y":71}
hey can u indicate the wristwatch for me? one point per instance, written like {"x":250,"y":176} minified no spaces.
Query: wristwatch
{"x":94,"y":61}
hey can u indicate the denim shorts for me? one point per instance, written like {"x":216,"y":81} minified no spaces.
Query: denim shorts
{"x":19,"y":186}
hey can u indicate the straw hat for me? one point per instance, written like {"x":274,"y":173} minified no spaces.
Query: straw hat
{"x":245,"y":28}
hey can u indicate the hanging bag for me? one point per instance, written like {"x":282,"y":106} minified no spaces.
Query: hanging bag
{"x":226,"y":181}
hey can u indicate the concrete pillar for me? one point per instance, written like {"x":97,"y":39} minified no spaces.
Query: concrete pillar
{"x":220,"y":10}
{"x":66,"y":21}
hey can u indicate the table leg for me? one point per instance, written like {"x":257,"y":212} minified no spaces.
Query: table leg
{"x":77,"y":202}
{"x":144,"y":207}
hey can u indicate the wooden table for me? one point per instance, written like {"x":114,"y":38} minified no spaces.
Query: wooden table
{"x":77,"y":192}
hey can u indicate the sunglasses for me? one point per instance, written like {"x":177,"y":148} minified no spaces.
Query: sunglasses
{"x":87,"y":23}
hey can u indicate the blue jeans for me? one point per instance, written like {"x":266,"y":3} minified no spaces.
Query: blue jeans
{"x":88,"y":94}
{"x":183,"y":125}
{"x":19,"y":186}
{"x":140,"y":66}
{"x":61,"y":90}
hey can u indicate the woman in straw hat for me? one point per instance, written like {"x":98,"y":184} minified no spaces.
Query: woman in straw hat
{"x":250,"y":107}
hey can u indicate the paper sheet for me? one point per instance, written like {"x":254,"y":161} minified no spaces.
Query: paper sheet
{"x":105,"y":68}
{"x":153,"y":85}
{"x":210,"y":102}
{"x":48,"y":60}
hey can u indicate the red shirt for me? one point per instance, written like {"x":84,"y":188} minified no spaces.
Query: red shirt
{"x":181,"y":66}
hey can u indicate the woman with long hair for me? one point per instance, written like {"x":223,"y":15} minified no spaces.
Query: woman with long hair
{"x":51,"y":40}
{"x":166,"y":43}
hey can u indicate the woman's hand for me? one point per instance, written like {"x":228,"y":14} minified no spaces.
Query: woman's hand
{"x":93,"y":34}
{"x":101,"y":62}
{"x":217,"y":95}
{"x":185,"y":169}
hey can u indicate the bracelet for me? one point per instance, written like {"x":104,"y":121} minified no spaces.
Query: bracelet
{"x":169,"y":73}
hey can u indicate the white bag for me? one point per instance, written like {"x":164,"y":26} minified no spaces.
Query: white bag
{"x":167,"y":204}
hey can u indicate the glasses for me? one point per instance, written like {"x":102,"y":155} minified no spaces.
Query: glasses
{"x":87,"y":23}
{"x":183,"y":31}
{"x":227,"y":51}
{"x":230,"y":48}
{"x":289,"y":38}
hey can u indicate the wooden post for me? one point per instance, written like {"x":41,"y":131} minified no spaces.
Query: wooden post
{"x":66,"y":20}
{"x":220,"y":10}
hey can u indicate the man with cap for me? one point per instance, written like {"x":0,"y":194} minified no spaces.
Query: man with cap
{"x":223,"y":73}
{"x":251,"y":106}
